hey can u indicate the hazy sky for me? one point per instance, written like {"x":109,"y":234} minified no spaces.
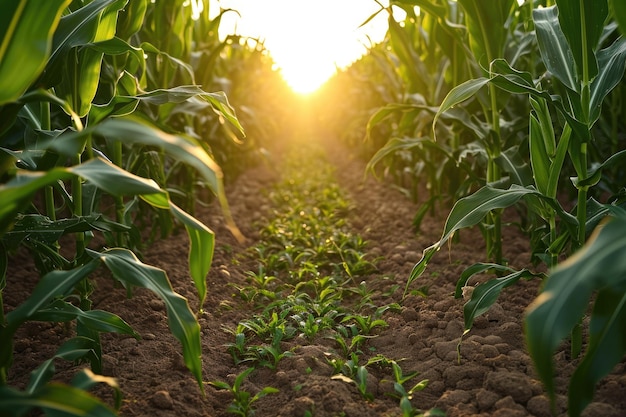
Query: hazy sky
{"x":307,"y":38}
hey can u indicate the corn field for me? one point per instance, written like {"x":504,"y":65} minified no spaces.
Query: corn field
{"x":125,"y":124}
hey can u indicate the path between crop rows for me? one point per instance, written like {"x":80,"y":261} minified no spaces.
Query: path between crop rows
{"x":493,"y":378}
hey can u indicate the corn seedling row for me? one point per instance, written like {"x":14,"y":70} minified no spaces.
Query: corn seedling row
{"x":107,"y":137}
{"x":498,"y":104}
{"x":307,"y":285}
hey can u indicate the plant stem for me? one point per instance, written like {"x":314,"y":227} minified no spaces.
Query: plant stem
{"x":48,"y":190}
{"x":116,"y":157}
{"x":494,"y":245}
{"x":77,"y":197}
{"x":554,"y":257}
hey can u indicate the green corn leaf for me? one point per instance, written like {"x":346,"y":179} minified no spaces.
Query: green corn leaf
{"x":53,"y":399}
{"x":487,"y":293}
{"x":127,"y":269}
{"x":582,"y":23}
{"x":37,"y":227}
{"x":26,"y":28}
{"x":458,"y":95}
{"x":486,"y":23}
{"x":86,"y":379}
{"x":113,"y":179}
{"x":471,"y":210}
{"x":80,"y":27}
{"x":518,"y":82}
{"x":131,"y":18}
{"x":72,"y":350}
{"x":513,"y":164}
{"x":186,"y":150}
{"x":542,"y":112}
{"x":611,"y":62}
{"x":402,"y":45}
{"x":557,"y":162}
{"x":53,"y":284}
{"x":97,"y":320}
{"x":427,"y":6}
{"x":18,"y":191}
{"x":202,"y":245}
{"x":467,"y":212}
{"x":607,"y":346}
{"x":539,"y":159}
{"x":81,"y":79}
{"x":397,"y":144}
{"x":107,"y":24}
{"x":595,"y":174}
{"x":599,"y":265}
{"x":555,"y":51}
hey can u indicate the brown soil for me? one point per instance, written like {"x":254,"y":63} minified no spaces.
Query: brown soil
{"x":494,"y":376}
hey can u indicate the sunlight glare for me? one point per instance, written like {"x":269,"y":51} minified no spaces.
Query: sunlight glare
{"x":308,"y":40}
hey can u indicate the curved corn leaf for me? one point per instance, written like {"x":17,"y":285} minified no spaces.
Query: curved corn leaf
{"x":487,"y":293}
{"x":486,"y":23}
{"x":131,"y":18}
{"x":555,"y":51}
{"x":26,"y":31}
{"x":53,"y":284}
{"x":611,"y":62}
{"x":81,"y":79}
{"x":97,"y":320}
{"x":86,"y":380}
{"x":18,"y":191}
{"x":599,"y":265}
{"x":72,"y":350}
{"x":471,"y":210}
{"x":513,"y":164}
{"x":595,"y":174}
{"x":607,"y":345}
{"x":582,"y":23}
{"x":402,"y":45}
{"x":458,"y":95}
{"x":202,"y":245}
{"x":127,"y":269}
{"x":539,"y":158}
{"x":186,"y":150}
{"x":80,"y":27}
{"x":113,"y":179}
{"x":37,"y":227}
{"x":53,"y":399}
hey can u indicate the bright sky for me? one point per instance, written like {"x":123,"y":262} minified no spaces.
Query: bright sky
{"x":306,"y":38}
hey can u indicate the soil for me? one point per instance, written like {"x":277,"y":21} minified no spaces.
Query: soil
{"x":491,"y":374}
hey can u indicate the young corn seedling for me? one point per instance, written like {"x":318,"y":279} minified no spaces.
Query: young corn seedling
{"x":242,"y":400}
{"x":354,"y":373}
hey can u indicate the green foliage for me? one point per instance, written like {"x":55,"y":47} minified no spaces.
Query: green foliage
{"x":99,"y":101}
{"x":243,"y":400}
{"x":491,"y":105}
{"x":597,"y":268}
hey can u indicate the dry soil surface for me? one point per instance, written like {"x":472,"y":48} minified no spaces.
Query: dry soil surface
{"x":493,"y":376}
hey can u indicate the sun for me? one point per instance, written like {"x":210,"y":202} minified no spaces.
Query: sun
{"x":308,"y":40}
{"x":303,"y":79}
{"x":303,"y":71}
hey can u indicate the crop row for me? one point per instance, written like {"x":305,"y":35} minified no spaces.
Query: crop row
{"x":473,"y":107}
{"x":115,"y":123}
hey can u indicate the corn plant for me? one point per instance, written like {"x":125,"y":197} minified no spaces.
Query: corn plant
{"x":576,"y":94}
{"x":242,"y":400}
{"x":97,"y":109}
